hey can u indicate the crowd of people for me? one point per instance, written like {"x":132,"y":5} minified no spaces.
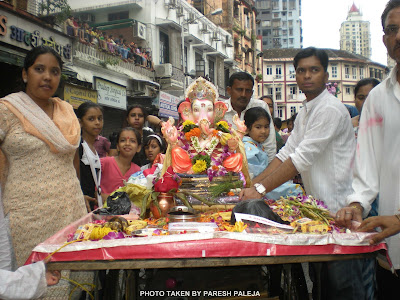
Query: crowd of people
{"x":128,"y":51}
{"x":57,"y":167}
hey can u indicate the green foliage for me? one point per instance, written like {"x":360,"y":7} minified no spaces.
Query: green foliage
{"x":60,"y":9}
{"x":239,"y":30}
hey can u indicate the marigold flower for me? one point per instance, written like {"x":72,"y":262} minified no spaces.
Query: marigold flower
{"x":223,"y":124}
{"x":193,"y":132}
{"x":215,"y":133}
{"x":188,"y":122}
{"x":199,"y":166}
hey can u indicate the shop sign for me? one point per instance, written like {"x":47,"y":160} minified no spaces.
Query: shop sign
{"x":167,"y":105}
{"x":24,"y":34}
{"x":76,"y":95}
{"x":110,"y":93}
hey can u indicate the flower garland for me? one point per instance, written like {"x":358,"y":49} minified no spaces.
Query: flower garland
{"x":196,"y":145}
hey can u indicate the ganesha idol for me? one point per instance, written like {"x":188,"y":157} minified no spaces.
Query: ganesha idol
{"x":203,"y":143}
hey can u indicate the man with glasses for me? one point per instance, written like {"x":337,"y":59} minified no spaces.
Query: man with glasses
{"x":377,"y":160}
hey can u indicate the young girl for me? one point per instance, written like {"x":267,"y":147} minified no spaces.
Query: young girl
{"x":153,"y":146}
{"x":116,"y":169}
{"x":257,"y":121}
{"x":90,"y":117}
{"x":136,"y":116}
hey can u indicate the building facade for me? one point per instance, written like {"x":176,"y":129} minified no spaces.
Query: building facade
{"x":239,"y":19}
{"x":345,"y":70}
{"x":355,"y":35}
{"x":279,"y":23}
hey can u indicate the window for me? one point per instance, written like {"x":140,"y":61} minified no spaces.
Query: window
{"x":118,"y":16}
{"x":361,"y":72}
{"x":354,"y":72}
{"x":334,"y":71}
{"x":270,"y":91}
{"x":269,"y":70}
{"x":278,"y":93}
{"x":185,"y":59}
{"x":293,"y":90}
{"x":292,"y":72}
{"x":278,"y":71}
{"x":266,"y":23}
{"x":164,"y":48}
{"x":346,"y":71}
{"x":348,"y":90}
{"x":293,"y":110}
{"x":200,"y":65}
{"x":211,"y":67}
{"x":280,"y":112}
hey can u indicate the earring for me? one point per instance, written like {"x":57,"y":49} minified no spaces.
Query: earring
{"x":25,"y":80}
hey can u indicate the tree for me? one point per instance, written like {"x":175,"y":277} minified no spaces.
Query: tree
{"x":58,"y":10}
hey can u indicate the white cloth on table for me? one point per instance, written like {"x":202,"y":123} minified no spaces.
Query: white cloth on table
{"x":270,"y":143}
{"x":322,"y":147}
{"x":377,"y":161}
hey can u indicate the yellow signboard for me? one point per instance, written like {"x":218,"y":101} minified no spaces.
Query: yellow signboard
{"x":76,"y":95}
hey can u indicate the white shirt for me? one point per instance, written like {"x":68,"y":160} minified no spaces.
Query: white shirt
{"x":377,"y":162}
{"x":270,"y":143}
{"x":322,"y":147}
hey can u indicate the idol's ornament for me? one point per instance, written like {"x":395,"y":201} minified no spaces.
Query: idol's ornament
{"x":203,"y":143}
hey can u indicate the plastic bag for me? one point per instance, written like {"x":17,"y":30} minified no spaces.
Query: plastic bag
{"x":256,"y":207}
{"x":118,"y":203}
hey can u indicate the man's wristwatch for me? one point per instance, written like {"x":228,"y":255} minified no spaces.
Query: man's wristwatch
{"x":260,"y":189}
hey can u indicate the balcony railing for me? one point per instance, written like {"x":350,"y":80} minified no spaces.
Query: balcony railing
{"x":94,"y":56}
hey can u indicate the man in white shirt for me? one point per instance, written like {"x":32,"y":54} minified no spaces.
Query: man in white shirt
{"x":321,"y":148}
{"x":377,"y":159}
{"x":240,"y":90}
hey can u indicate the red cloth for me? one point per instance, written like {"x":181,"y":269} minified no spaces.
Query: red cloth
{"x":166,"y":182}
{"x":111,"y":176}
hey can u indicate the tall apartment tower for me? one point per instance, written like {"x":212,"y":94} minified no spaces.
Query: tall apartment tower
{"x":355,"y":35}
{"x":279,"y":23}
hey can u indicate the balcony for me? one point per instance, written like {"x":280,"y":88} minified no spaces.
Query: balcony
{"x":94,"y":56}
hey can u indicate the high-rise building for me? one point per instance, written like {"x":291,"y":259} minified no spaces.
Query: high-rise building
{"x":279,"y":23}
{"x":355,"y":35}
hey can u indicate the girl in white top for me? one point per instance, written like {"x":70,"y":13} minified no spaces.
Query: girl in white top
{"x":90,"y":117}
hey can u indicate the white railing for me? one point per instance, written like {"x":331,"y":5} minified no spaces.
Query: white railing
{"x":95,"y":56}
